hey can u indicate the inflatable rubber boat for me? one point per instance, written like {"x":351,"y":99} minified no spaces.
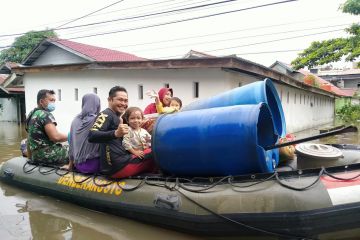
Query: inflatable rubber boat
{"x":223,"y":178}
{"x":291,"y":203}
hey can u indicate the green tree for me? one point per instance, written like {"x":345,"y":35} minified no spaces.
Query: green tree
{"x":327,"y":51}
{"x":23,"y":45}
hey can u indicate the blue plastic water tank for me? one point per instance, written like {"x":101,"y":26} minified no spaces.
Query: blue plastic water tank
{"x":253,"y":93}
{"x":215,"y":142}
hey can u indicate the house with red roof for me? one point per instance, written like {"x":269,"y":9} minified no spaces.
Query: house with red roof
{"x":73,"y":69}
{"x":61,"y":51}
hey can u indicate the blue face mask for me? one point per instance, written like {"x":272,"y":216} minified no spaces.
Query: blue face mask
{"x":50,"y":107}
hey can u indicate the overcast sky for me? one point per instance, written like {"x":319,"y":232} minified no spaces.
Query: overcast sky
{"x":255,"y":30}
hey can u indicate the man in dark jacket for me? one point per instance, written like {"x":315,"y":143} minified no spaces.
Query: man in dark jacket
{"x":108,"y":130}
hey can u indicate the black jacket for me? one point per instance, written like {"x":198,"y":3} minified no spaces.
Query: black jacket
{"x":113,"y":156}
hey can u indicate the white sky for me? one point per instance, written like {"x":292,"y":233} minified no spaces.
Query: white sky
{"x":242,"y":33}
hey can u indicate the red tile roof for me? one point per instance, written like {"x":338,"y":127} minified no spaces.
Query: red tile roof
{"x":3,"y":77}
{"x":334,"y":89}
{"x":98,"y":53}
{"x":17,"y":89}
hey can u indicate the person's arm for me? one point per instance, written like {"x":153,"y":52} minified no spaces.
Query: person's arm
{"x":159,"y":105}
{"x":126,"y":142}
{"x":168,"y":110}
{"x":53,"y":133}
{"x":99,"y":132}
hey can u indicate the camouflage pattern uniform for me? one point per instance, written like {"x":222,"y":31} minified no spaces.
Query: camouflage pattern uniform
{"x":42,"y":148}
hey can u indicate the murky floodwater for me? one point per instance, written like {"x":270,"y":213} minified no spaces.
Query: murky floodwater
{"x":25,"y":215}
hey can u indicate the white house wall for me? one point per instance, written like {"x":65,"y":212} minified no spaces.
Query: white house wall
{"x":55,"y":55}
{"x":304,"y":109}
{"x":8,"y":112}
{"x":299,"y":116}
{"x":211,"y":82}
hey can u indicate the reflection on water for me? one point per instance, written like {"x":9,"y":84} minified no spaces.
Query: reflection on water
{"x":39,"y":217}
{"x":10,"y":137}
{"x":24,"y":215}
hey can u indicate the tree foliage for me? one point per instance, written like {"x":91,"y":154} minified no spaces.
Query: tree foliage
{"x":327,"y":51}
{"x":349,"y":113}
{"x":23,"y":45}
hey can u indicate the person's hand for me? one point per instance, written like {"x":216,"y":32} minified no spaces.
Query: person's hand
{"x":148,"y":138}
{"x":139,"y":153}
{"x":152,"y":94}
{"x":122,"y":129}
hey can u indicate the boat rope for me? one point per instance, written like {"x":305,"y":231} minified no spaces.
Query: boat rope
{"x":142,"y":182}
{"x":29,"y":171}
{"x":173,"y":183}
{"x":205,"y":188}
{"x":81,"y":181}
{"x":241,"y":223}
{"x":300,"y":188}
{"x":339,"y":178}
{"x":230,"y":181}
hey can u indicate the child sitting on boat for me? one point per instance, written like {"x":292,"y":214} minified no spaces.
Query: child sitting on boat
{"x":137,"y":140}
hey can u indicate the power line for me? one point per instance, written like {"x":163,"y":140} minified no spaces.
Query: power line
{"x":86,"y":15}
{"x":135,"y":17}
{"x":222,"y":33}
{"x":266,"y":52}
{"x":243,"y":37}
{"x":275,"y":40}
{"x":206,"y":7}
{"x":137,"y":6}
{"x":178,"y":21}
{"x":258,"y":43}
{"x":184,"y":20}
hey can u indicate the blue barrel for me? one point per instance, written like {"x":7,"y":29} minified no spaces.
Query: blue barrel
{"x":253,"y":93}
{"x":216,"y":141}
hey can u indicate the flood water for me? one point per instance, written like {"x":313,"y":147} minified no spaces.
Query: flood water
{"x":26,"y":215}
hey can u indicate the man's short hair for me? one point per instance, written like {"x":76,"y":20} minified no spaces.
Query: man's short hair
{"x":113,"y":90}
{"x":42,"y":94}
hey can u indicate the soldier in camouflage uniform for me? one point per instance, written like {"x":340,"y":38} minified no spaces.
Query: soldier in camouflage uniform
{"x":43,"y":137}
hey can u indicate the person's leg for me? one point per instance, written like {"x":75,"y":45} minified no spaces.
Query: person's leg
{"x":55,"y":154}
{"x":137,"y":166}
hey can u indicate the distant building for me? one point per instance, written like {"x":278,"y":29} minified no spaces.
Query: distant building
{"x":348,"y":79}
{"x":73,"y":69}
{"x":12,"y":97}
{"x":343,"y":95}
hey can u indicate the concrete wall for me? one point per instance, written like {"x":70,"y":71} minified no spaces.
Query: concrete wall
{"x":315,"y":110}
{"x":55,"y":55}
{"x":352,"y":83}
{"x":8,"y":112}
{"x":303,"y":109}
{"x":211,"y":82}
